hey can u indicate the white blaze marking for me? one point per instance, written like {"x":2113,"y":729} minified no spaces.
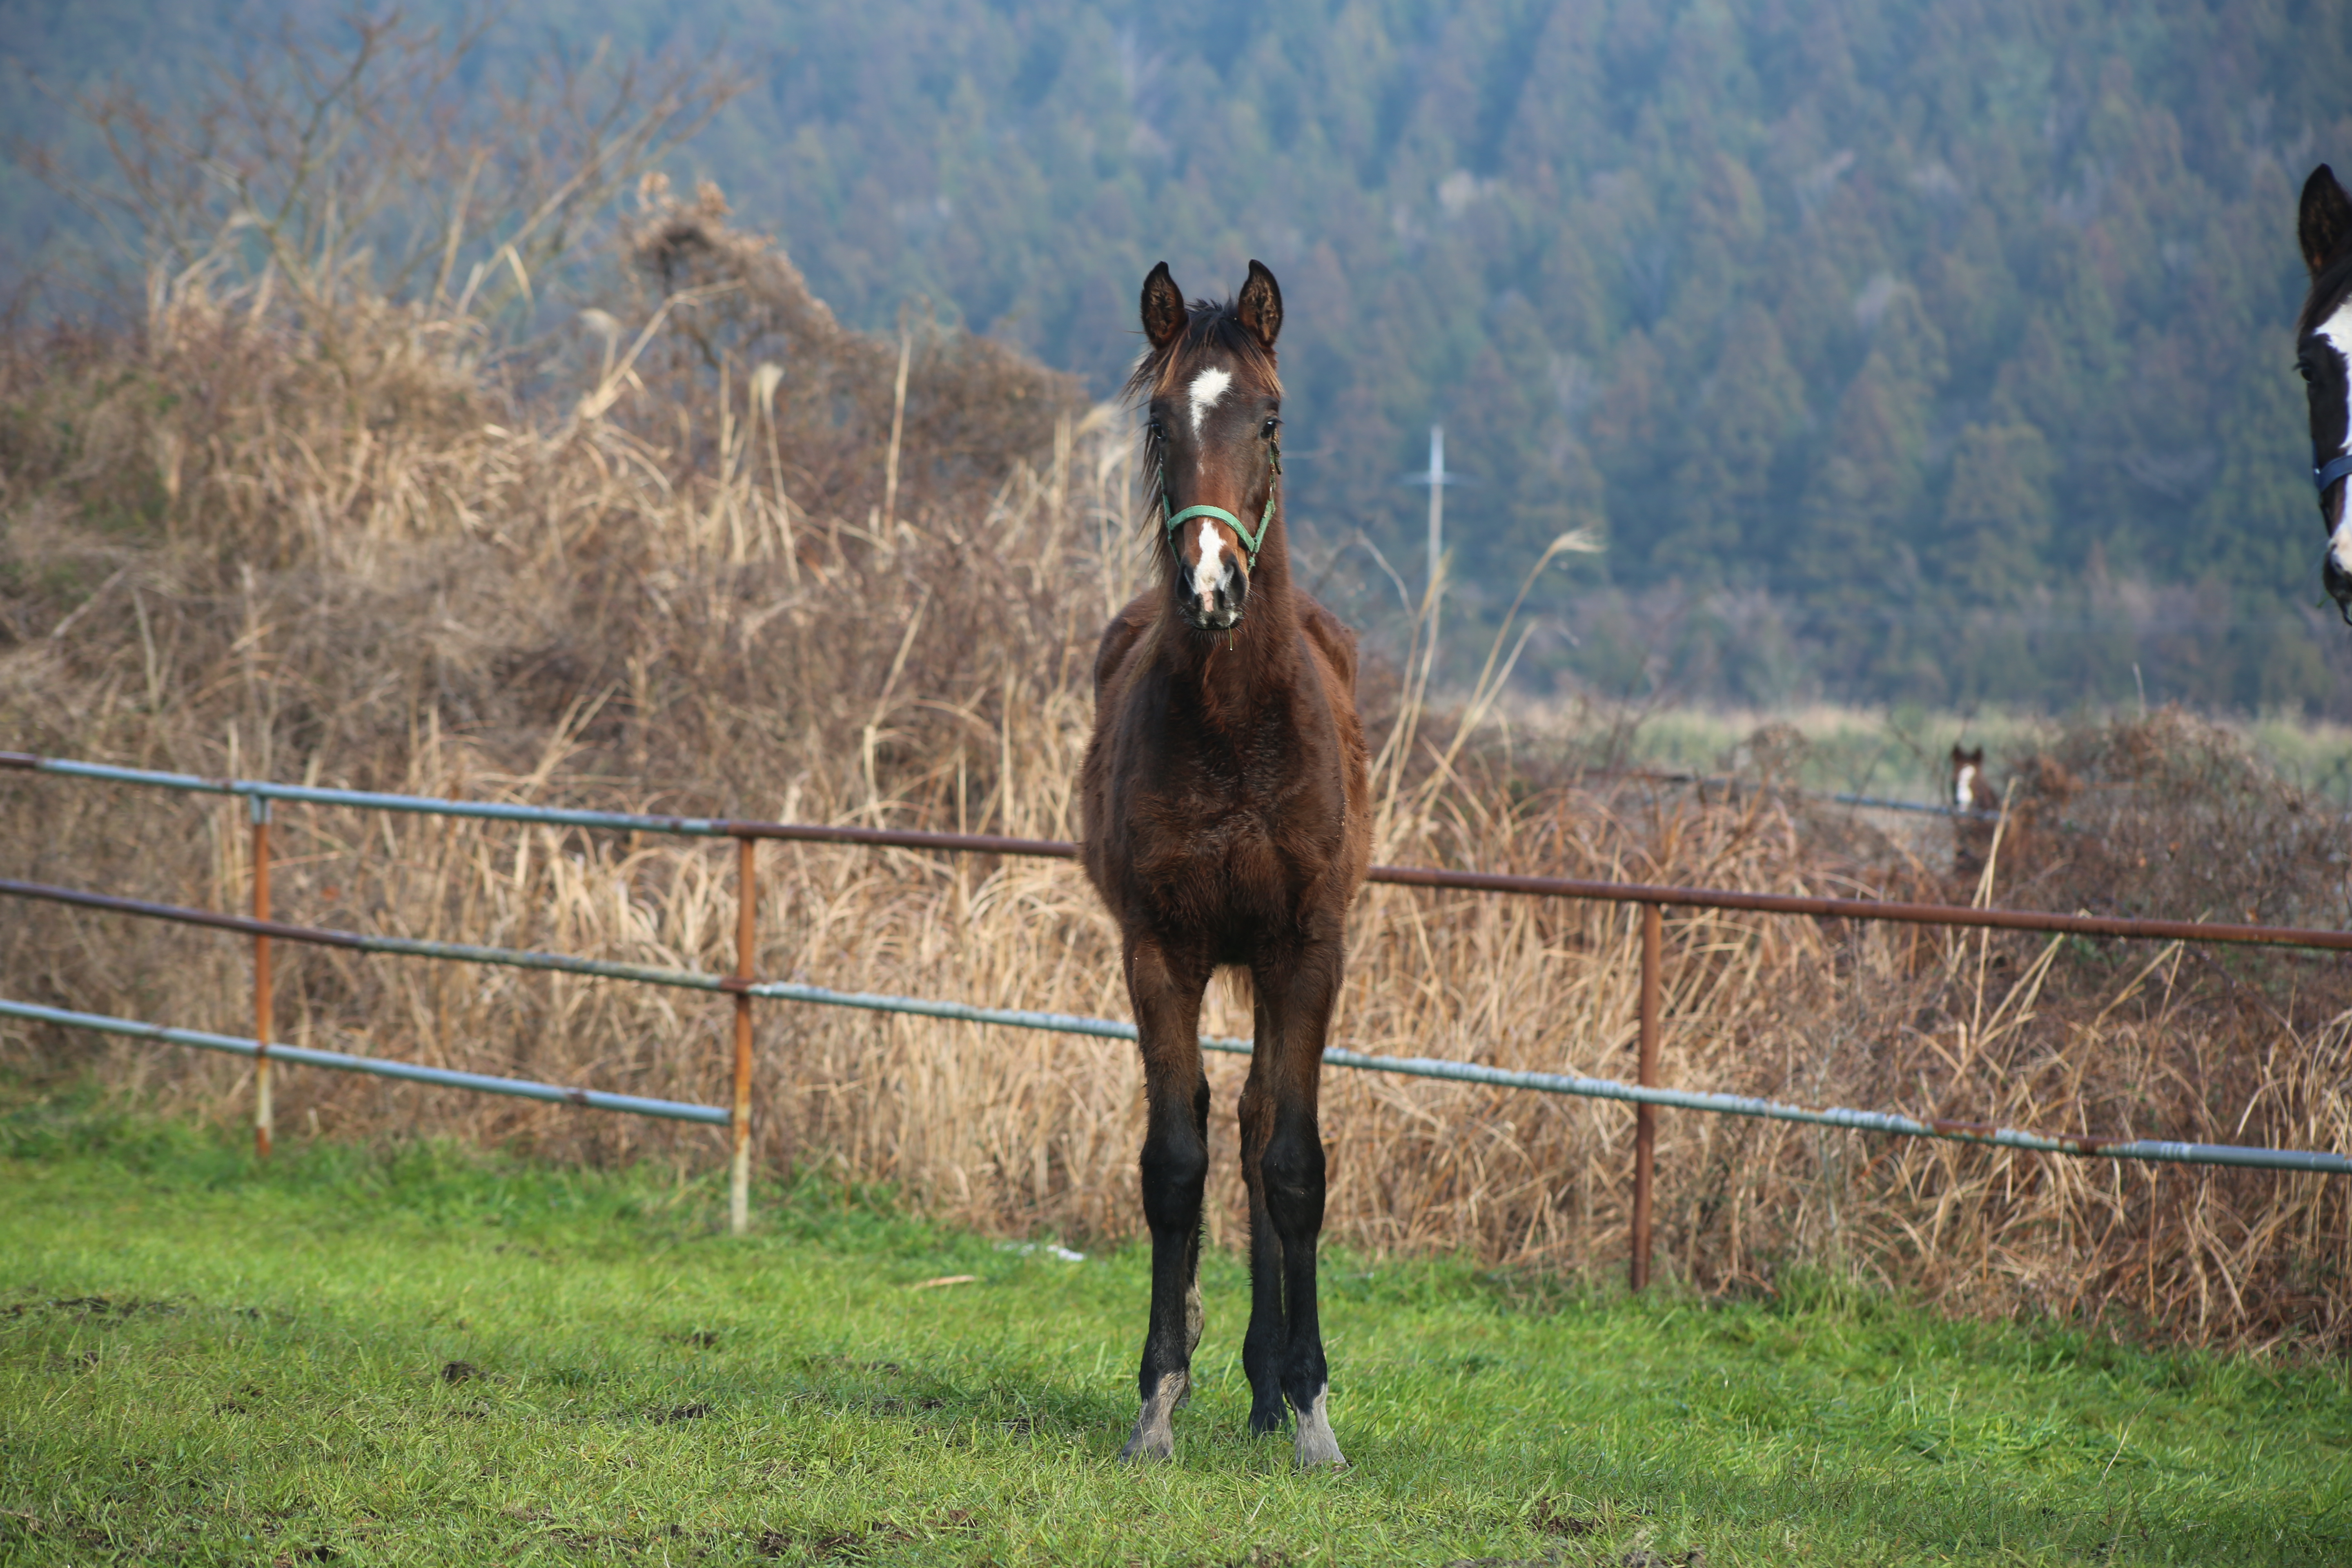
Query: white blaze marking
{"x":1207,"y":387}
{"x":2337,"y":333}
{"x":1964,"y":787}
{"x":1208,"y":571}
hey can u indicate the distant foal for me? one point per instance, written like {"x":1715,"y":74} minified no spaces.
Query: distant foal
{"x":1226,"y":823}
{"x":1973,"y":793}
{"x":2324,"y":357}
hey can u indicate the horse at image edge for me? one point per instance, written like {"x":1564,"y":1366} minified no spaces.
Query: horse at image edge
{"x":2324,"y":358}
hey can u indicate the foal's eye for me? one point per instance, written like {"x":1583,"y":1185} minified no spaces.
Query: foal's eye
{"x":1272,"y":425}
{"x":2303,"y":368}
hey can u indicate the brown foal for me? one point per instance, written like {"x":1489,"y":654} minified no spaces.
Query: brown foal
{"x":1226,"y":823}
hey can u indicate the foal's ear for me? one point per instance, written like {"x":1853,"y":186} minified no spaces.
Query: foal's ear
{"x":1260,"y":307}
{"x":1163,"y":308}
{"x":2324,"y":227}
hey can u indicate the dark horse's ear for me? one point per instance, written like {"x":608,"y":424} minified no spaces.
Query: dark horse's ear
{"x":1260,"y":307}
{"x":2324,"y":227}
{"x":1163,"y":308}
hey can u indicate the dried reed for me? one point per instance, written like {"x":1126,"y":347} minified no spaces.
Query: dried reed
{"x":736,"y":564}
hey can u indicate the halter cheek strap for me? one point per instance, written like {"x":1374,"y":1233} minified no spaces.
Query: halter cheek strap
{"x":1252,"y":542}
{"x":2327,"y":474}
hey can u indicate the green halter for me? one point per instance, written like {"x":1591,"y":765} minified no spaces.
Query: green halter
{"x":1252,"y":542}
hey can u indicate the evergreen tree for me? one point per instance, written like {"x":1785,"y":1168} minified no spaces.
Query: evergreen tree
{"x":1896,"y":312}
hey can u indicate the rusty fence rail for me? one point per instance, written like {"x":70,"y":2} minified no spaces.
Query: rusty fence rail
{"x":1645,"y":1096}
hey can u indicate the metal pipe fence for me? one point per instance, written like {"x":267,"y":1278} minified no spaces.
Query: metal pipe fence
{"x":1702,"y":782}
{"x":339,"y":1061}
{"x":1644,"y":1095}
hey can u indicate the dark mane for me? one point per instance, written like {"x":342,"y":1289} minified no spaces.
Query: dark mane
{"x":2327,"y":291}
{"x":1210,"y":324}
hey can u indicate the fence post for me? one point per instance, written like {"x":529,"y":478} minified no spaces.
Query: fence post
{"x":261,"y":986}
{"x":747,"y":900}
{"x":1646,"y":1116}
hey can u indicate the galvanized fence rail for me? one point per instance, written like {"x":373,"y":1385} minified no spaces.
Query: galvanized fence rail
{"x":379,"y":1067}
{"x":1644,"y":1095}
{"x":1703,"y":782}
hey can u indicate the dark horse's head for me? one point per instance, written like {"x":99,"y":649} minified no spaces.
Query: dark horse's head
{"x":2323,"y":353}
{"x":1213,"y":454}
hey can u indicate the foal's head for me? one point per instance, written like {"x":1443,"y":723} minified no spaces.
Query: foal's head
{"x":1212,"y":407}
{"x":2324,"y":355}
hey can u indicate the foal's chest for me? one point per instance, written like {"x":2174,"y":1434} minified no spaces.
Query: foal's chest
{"x":1240,"y":828}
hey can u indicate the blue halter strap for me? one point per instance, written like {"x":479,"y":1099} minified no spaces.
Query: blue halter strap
{"x":2327,"y":474}
{"x":1252,"y":542}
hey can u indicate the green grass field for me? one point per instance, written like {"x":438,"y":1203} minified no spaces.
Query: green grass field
{"x":441,"y":1356}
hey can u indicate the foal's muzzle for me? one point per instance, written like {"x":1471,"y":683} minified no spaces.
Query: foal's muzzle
{"x":1213,"y":596}
{"x":2339,"y":584}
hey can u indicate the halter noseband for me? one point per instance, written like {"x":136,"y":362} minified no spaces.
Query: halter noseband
{"x":2327,"y":474}
{"x":1252,"y":542}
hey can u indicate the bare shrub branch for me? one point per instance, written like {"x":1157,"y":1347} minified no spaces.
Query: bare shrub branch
{"x":355,"y":162}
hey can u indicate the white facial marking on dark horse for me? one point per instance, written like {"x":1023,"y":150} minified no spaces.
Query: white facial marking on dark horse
{"x":2336,"y":333}
{"x":1964,"y":786}
{"x":1207,"y":387}
{"x":1210,"y":571}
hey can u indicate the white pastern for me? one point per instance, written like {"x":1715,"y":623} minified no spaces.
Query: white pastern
{"x":1964,"y":787}
{"x":1154,"y":1437}
{"x":1209,"y":570}
{"x":1207,"y":388}
{"x":1314,"y":1444}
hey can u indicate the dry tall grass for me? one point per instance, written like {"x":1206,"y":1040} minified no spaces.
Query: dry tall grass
{"x":722,"y":562}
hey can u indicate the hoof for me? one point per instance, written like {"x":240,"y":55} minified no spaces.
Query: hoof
{"x":1314,"y":1447}
{"x":1314,"y":1453}
{"x":1154,"y":1437}
{"x":1148,"y":1447}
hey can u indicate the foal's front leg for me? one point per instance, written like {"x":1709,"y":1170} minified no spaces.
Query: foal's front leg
{"x":1175,"y":1171}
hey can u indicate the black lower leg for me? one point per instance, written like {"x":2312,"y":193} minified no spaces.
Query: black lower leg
{"x":1175,"y":1173}
{"x":1262,"y":1348}
{"x":1194,"y":1321}
{"x":1293,"y":1174}
{"x":1269,"y":1337}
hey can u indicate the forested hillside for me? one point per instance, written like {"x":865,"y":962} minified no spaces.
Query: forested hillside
{"x":1897,"y":349}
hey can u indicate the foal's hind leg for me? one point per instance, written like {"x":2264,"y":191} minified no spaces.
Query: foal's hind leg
{"x":1269,"y":1334}
{"x":1175,"y":1171}
{"x":1283,"y":1145}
